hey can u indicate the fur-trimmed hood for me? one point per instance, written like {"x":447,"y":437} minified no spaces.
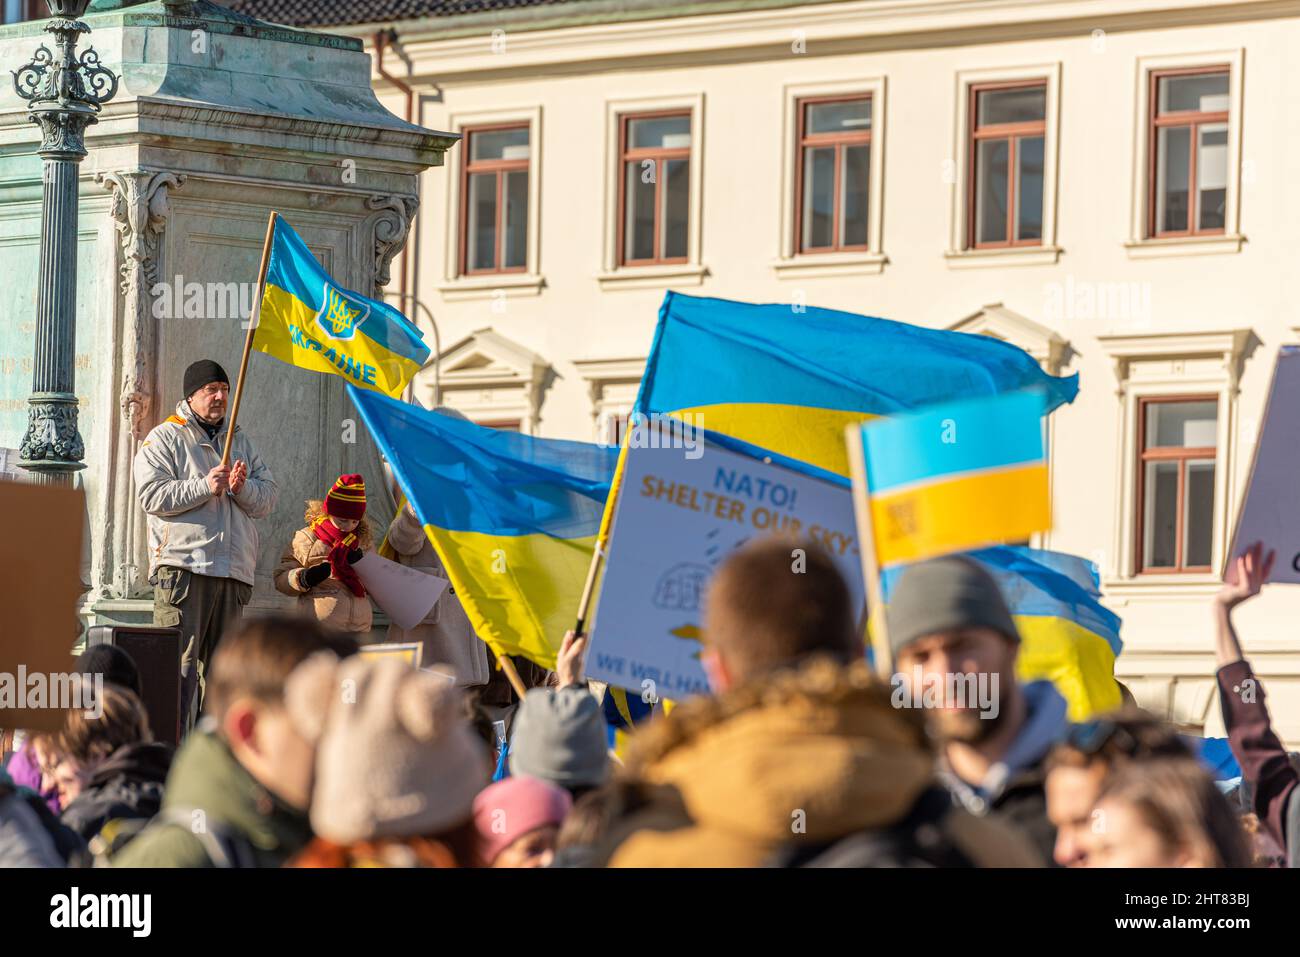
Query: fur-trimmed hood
{"x":806,"y":754}
{"x":316,"y":508}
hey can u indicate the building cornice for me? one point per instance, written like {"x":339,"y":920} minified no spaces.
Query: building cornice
{"x":559,"y":36}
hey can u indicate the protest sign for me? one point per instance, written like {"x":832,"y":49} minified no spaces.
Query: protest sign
{"x":405,"y":594}
{"x":9,"y":470}
{"x":408,"y":652}
{"x":42,"y":585}
{"x":677,"y":520}
{"x":1270,"y":508}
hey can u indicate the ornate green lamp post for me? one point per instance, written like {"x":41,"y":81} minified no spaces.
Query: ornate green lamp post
{"x":64,"y":92}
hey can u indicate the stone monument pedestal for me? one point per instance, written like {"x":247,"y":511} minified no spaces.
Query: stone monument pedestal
{"x":219,"y":120}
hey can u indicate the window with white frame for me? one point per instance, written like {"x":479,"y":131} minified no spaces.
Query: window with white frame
{"x":1008,"y":134}
{"x":834,"y":174}
{"x":493,"y":203}
{"x":1004,"y":169}
{"x":494,"y":199}
{"x":1187,"y":154}
{"x":831,"y":194}
{"x":655,"y":188}
{"x":652,"y":191}
{"x":1177,"y":450}
{"x":1188,"y":182}
{"x":1178,"y":423}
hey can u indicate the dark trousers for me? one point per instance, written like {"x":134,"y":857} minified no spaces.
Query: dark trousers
{"x":203,"y":608}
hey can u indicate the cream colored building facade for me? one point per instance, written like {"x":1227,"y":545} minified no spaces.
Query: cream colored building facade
{"x":557,"y":345}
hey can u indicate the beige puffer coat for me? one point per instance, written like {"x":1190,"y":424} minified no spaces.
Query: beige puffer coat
{"x":820,"y":745}
{"x":331,"y":602}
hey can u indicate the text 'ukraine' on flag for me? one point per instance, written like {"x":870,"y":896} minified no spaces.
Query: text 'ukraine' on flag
{"x":789,"y":378}
{"x":957,"y":476}
{"x":1067,"y":636}
{"x":513,"y":518}
{"x":307,"y":320}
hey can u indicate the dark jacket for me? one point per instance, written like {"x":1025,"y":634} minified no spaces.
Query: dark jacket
{"x":1265,"y":764}
{"x":1014,"y":789}
{"x":215,"y":813}
{"x":24,"y":840}
{"x":128,"y":785}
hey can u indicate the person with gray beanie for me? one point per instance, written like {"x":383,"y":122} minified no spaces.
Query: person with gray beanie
{"x":559,"y":735}
{"x":954,"y":644}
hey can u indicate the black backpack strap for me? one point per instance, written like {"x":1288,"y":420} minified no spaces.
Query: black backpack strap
{"x":918,"y":840}
{"x":224,"y":847}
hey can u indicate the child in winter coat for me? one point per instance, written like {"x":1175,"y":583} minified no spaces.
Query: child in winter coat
{"x":316,"y":567}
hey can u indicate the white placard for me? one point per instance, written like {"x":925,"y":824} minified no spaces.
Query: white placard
{"x":677,"y":520}
{"x":405,"y":594}
{"x":1270,"y":510}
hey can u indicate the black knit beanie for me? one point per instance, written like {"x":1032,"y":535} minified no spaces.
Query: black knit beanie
{"x":201,"y":373}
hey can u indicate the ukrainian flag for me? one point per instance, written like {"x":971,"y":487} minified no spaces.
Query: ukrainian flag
{"x":1066,"y":635}
{"x":624,"y":712}
{"x":790,"y":378}
{"x":513,"y":518}
{"x":958,"y":476}
{"x":309,"y":321}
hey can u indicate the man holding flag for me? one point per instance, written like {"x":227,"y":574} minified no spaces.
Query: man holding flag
{"x":203,"y":544}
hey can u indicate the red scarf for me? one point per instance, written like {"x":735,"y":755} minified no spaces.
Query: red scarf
{"x":340,"y":545}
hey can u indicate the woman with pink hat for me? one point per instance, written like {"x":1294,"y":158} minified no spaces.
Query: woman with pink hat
{"x":517,"y":821}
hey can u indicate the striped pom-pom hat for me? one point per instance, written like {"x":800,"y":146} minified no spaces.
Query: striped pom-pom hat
{"x":347,"y":499}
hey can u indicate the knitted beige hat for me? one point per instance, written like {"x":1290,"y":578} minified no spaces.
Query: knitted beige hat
{"x":395,"y":755}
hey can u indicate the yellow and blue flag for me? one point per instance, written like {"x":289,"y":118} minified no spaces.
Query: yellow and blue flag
{"x":308,"y":320}
{"x":1067,"y":636}
{"x":789,"y":379}
{"x":514,"y":518}
{"x":957,"y":476}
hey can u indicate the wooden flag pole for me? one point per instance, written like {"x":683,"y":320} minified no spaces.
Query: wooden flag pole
{"x":867,"y":548}
{"x":584,"y":605}
{"x":512,"y":673}
{"x":248,"y":339}
{"x":602,"y":539}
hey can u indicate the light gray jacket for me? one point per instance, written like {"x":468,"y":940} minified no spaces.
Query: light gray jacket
{"x":189,"y":527}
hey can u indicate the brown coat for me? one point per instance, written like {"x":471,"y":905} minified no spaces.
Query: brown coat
{"x":331,"y":602}
{"x":805,"y":758}
{"x":446,"y":632}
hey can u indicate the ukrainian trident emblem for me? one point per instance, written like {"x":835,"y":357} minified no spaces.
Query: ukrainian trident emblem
{"x":340,"y":317}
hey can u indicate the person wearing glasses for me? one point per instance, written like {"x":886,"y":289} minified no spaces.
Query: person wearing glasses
{"x":1265,"y":765}
{"x":203,"y":542}
{"x":1079,"y":768}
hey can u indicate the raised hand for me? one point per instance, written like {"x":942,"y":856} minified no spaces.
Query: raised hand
{"x":571,"y":660}
{"x":1253,"y":568}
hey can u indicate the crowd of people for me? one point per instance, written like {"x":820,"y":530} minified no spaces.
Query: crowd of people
{"x":301,"y":751}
